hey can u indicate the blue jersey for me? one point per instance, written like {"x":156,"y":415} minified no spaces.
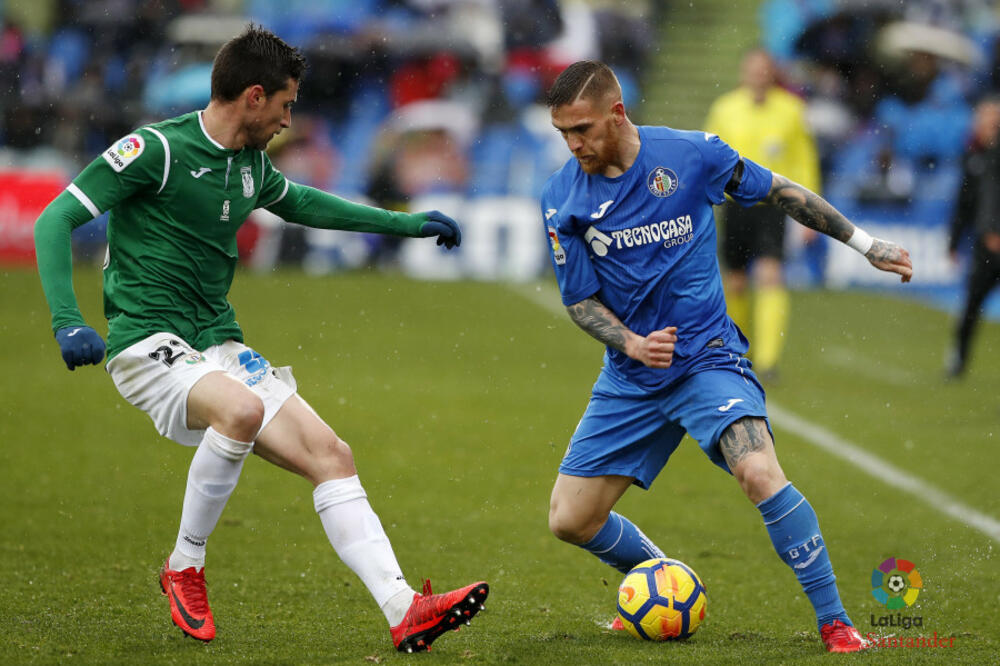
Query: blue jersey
{"x":644,"y":243}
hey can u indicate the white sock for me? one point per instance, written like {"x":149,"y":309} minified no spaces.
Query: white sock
{"x":215,"y":469}
{"x":356,"y":534}
{"x":395,"y":609}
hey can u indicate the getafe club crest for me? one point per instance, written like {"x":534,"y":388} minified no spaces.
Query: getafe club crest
{"x":662,"y":182}
{"x":247,"y":181}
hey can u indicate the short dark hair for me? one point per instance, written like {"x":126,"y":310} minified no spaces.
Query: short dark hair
{"x":589,"y":79}
{"x":257,"y":56}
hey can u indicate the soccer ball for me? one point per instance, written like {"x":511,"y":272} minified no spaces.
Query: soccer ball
{"x":896,"y":583}
{"x":661,"y":599}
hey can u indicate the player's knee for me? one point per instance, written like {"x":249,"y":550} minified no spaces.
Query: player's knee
{"x":759,"y":479}
{"x":242,"y":418}
{"x":570,"y":527}
{"x":332,"y":457}
{"x":561,"y":528}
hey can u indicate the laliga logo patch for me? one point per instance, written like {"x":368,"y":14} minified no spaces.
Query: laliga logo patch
{"x":130,"y":146}
{"x":662,"y":182}
{"x":558,"y":253}
{"x":124,"y":152}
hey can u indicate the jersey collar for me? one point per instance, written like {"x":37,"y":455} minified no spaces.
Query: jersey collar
{"x":201,"y":123}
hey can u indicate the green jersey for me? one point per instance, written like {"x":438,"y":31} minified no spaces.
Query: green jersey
{"x":176,"y":199}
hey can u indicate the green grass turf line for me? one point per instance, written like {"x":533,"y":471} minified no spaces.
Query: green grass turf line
{"x":458,"y":400}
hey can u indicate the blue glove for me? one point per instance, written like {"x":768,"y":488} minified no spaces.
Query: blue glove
{"x":80,"y":345}
{"x":440,"y":225}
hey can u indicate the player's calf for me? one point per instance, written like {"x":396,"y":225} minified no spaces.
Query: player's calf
{"x":794,"y":530}
{"x":620,"y":544}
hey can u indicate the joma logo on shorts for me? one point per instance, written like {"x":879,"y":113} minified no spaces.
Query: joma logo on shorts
{"x":669,"y":232}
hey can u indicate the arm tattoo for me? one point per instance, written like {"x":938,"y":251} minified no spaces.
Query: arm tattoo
{"x":597,"y":320}
{"x":809,"y":208}
{"x":745,"y":436}
{"x":881,"y":251}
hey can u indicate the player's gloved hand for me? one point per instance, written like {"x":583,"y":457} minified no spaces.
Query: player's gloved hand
{"x":80,"y":345}
{"x":440,"y":225}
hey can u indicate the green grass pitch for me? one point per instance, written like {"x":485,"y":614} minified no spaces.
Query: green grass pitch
{"x":458,"y":400}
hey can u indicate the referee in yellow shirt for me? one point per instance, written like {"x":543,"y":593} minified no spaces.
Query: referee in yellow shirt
{"x":766,"y":124}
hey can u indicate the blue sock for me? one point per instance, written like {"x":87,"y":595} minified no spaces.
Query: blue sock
{"x":794,"y":531}
{"x":621,"y":544}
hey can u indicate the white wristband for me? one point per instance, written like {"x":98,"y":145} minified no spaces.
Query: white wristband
{"x":860,"y":241}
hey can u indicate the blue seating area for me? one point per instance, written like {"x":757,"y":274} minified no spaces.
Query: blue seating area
{"x":507,"y":159}
{"x":84,"y":76}
{"x":908,"y":76}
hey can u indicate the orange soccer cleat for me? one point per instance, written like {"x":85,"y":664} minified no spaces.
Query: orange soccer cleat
{"x":430,"y":615}
{"x":188,"y":601}
{"x":840,"y":637}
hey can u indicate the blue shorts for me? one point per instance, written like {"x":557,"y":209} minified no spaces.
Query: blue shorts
{"x":628,"y":431}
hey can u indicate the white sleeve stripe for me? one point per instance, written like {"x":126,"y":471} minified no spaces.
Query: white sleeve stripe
{"x":166,"y":156}
{"x":280,"y":197}
{"x":84,"y":199}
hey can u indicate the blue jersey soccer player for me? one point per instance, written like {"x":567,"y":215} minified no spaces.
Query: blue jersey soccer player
{"x":633,"y":241}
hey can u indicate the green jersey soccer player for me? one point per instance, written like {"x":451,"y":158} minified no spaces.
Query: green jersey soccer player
{"x":177,"y":191}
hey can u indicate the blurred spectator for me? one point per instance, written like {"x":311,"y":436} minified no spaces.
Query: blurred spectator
{"x":925,"y":111}
{"x":305,"y":154}
{"x":12,"y":58}
{"x":841,"y":42}
{"x":785,"y":20}
{"x":766,"y":124}
{"x":424,"y":78}
{"x":421,"y":151}
{"x":79,"y":74}
{"x":12,"y":52}
{"x":530,"y":23}
{"x":920,"y":124}
{"x":828,"y":114}
{"x":978,"y":209}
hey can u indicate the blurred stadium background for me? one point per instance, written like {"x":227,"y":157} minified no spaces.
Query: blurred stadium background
{"x":435,"y":103}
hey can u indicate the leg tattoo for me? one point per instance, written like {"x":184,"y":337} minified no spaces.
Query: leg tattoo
{"x":743,"y":437}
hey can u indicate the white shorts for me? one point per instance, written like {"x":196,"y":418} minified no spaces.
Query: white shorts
{"x":156,"y":375}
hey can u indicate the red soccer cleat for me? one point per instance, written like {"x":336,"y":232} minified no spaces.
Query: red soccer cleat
{"x":188,"y":601}
{"x":430,"y":615}
{"x":840,"y":637}
{"x":617,"y":624}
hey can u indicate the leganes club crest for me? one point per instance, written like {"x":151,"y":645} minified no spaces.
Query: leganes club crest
{"x":247,"y":181}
